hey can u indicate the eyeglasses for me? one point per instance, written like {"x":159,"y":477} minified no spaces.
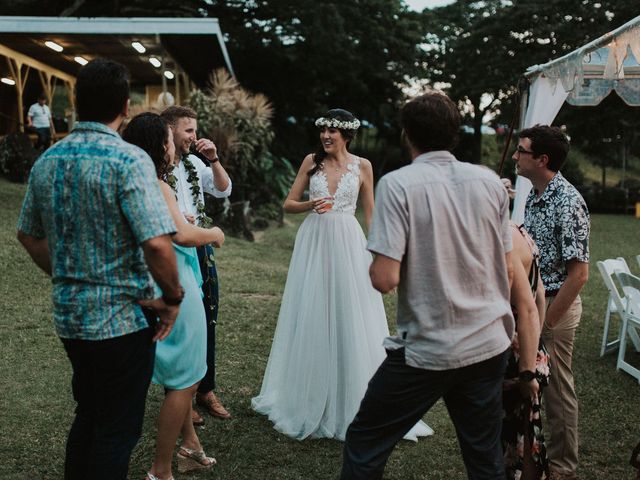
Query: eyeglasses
{"x":520,"y":151}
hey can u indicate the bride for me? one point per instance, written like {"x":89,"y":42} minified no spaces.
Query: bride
{"x":328,"y":341}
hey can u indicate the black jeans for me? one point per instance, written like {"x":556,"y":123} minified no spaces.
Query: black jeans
{"x":399,"y":395}
{"x":110,"y":382}
{"x":44,"y":137}
{"x":211,"y":300}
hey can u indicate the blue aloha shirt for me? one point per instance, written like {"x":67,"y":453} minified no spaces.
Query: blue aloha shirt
{"x":559,"y":223}
{"x":96,"y":199}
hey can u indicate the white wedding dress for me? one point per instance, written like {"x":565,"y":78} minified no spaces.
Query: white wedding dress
{"x":328,"y":341}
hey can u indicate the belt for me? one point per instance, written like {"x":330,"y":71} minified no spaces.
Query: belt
{"x":551,"y":293}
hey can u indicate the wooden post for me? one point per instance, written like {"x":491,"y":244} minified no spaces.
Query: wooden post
{"x":72,"y":101}
{"x":177,"y":87}
{"x":15,"y":66}
{"x":48,"y":82}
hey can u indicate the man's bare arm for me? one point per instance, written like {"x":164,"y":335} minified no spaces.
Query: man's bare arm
{"x":384,"y":273}
{"x":161,"y":260}
{"x":38,"y":249}
{"x":577,"y":276}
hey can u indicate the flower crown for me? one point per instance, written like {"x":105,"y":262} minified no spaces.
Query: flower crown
{"x":340,"y":124}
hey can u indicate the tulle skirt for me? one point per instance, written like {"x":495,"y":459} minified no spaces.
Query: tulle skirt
{"x":328,"y":341}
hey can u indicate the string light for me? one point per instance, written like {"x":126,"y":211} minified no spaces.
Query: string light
{"x":53,"y":46}
{"x":138,"y":47}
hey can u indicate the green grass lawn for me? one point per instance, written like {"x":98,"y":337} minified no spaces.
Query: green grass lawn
{"x":36,"y":407}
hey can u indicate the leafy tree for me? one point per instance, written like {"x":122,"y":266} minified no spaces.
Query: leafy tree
{"x":480,"y":49}
{"x":308,"y":56}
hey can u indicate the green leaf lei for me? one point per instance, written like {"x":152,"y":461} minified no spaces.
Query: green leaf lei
{"x":203,"y":219}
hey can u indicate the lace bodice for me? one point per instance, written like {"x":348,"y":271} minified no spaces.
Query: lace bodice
{"x":345,"y":197}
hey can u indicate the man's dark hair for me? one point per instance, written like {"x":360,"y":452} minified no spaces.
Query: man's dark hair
{"x":431,"y":122}
{"x":150,"y":132}
{"x":102,"y":90}
{"x":175,"y":112}
{"x":550,"y":141}
{"x":42,"y":96}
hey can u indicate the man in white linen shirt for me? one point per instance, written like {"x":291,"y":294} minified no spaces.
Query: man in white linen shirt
{"x":39,"y":117}
{"x":215,"y":181}
{"x":441,"y":234}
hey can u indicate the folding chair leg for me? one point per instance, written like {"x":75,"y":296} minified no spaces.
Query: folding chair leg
{"x":621,"y":364}
{"x":633,"y":335}
{"x":606,"y":345}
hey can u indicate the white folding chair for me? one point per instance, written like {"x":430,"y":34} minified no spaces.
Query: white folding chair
{"x":614,"y":303}
{"x":630,"y":319}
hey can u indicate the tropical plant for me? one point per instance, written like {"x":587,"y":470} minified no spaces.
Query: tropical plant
{"x":17,"y":156}
{"x":239,"y":122}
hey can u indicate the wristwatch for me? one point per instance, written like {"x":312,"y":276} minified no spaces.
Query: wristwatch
{"x":526,"y":376}
{"x":174,"y":301}
{"x":215,"y":159}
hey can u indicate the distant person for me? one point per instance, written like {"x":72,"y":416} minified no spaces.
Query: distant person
{"x":181,"y":358}
{"x":332,"y":322}
{"x":194,"y":178}
{"x":557,"y":218}
{"x":441,"y":234}
{"x":39,"y":118}
{"x":95,"y":220}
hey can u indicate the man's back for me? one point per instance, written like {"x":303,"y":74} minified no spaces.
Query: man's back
{"x":447,"y":222}
{"x":91,"y":195}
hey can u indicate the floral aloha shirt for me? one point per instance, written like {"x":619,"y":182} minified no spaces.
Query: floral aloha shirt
{"x":558,"y":221}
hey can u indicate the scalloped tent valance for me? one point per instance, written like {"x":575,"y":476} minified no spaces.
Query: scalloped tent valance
{"x":590,"y":73}
{"x":583,"y":77}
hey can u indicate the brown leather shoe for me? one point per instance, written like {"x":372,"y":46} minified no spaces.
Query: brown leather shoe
{"x":196,"y":418}
{"x":212,"y":405}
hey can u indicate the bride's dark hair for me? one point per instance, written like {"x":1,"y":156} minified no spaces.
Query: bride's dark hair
{"x":348,"y":134}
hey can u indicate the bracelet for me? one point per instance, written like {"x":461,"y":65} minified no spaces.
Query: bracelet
{"x":174,"y":301}
{"x":215,"y":159}
{"x":526,"y":376}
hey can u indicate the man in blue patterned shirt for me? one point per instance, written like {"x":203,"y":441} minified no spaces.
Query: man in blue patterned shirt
{"x":95,"y":220}
{"x":557,"y":218}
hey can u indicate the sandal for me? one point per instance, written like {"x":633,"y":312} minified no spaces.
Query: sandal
{"x":151,"y":476}
{"x":190,"y":460}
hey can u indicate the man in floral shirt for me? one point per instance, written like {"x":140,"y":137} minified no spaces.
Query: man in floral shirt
{"x":557,"y":218}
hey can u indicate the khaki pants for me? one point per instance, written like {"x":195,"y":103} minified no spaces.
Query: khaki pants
{"x":561,"y":402}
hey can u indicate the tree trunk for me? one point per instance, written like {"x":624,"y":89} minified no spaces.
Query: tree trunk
{"x":476,"y":144}
{"x":240,"y":221}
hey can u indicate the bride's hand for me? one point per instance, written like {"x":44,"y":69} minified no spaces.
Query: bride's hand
{"x":322,"y":205}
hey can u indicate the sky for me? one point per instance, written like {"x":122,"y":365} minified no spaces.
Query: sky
{"x":420,"y":5}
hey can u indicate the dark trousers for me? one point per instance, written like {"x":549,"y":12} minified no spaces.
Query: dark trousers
{"x":211,"y":302}
{"x":208,"y":383}
{"x":44,"y":137}
{"x":399,"y":395}
{"x":110,"y":382}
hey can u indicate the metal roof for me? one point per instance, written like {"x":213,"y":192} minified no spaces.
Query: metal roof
{"x":196,"y":45}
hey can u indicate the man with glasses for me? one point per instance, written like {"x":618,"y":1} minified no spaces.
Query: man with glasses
{"x":557,"y":218}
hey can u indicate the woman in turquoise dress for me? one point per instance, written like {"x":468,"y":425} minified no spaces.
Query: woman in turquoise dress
{"x":180,"y":358}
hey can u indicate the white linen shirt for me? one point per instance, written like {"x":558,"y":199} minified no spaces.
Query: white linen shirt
{"x":40,"y":115}
{"x":447,"y":222}
{"x":205,"y":180}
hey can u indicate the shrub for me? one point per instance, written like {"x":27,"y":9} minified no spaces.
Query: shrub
{"x":17,"y":156}
{"x":239,"y":123}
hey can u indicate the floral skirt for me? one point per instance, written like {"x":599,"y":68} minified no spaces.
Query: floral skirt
{"x":522,"y":419}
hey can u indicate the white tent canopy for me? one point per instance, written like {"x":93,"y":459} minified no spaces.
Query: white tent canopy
{"x":583,"y":77}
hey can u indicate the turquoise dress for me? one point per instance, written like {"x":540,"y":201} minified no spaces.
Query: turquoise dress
{"x":181,"y":357}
